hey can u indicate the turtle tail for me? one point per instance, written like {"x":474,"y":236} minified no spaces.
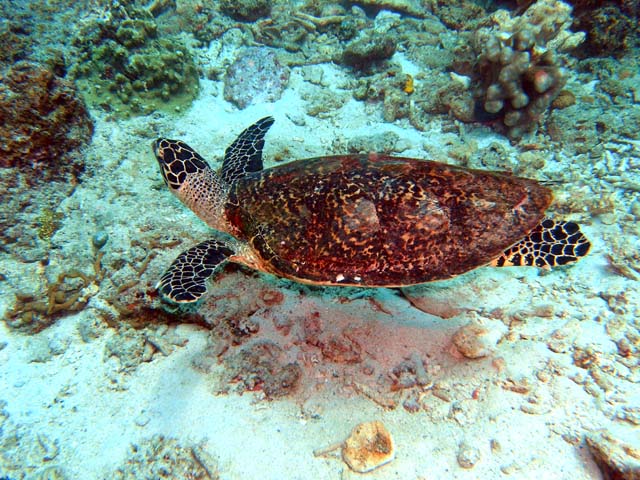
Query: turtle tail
{"x":549,"y":244}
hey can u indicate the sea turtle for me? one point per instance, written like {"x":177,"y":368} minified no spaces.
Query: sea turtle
{"x":367,"y":220}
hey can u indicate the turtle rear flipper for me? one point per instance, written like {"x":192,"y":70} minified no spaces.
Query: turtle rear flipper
{"x":185,"y":280}
{"x":549,"y":244}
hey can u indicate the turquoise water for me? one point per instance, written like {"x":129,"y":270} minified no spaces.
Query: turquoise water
{"x":496,"y":373}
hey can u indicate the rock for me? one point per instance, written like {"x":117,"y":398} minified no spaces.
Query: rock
{"x":256,"y":76}
{"x":468,"y":456}
{"x":99,"y":239}
{"x":368,"y":49}
{"x":368,"y":447}
{"x":246,"y":10}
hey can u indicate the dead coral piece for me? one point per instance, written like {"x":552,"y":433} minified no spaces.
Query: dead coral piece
{"x":564,"y":100}
{"x":255,"y":77}
{"x":368,"y":447}
{"x":431,"y":304}
{"x":43,"y":119}
{"x":468,"y":455}
{"x":520,"y":67}
{"x":474,"y":341}
{"x":311,"y":23}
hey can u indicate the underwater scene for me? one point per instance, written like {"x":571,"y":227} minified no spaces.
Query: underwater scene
{"x":320,"y":239}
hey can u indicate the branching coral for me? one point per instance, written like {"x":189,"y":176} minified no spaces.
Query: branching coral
{"x":71,"y":292}
{"x":520,"y":64}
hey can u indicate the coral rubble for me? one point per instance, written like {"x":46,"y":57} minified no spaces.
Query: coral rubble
{"x":163,"y":457}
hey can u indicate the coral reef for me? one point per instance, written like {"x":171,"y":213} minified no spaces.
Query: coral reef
{"x":256,"y":76}
{"x":520,"y":66}
{"x":15,"y":43}
{"x":43,"y":121}
{"x":126,"y":68}
{"x":457,"y":14}
{"x":611,"y":26}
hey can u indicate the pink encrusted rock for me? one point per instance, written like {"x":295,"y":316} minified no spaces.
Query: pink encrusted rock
{"x":256,"y":76}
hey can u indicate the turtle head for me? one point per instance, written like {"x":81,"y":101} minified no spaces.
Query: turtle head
{"x":177,"y":161}
{"x":190,"y":178}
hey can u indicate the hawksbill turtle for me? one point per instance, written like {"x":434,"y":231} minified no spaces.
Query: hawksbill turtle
{"x":365,"y":220}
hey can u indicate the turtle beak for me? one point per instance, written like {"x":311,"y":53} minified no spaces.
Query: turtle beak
{"x":155,"y":146}
{"x":159,"y":153}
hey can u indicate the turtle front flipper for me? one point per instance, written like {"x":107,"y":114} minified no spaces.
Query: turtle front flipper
{"x":549,"y":244}
{"x":244,"y":155}
{"x":185,"y":280}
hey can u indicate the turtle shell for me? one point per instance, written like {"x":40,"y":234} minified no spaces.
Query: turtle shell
{"x":375,"y":220}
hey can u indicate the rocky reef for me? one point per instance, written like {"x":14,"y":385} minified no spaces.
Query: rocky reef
{"x":611,"y":27}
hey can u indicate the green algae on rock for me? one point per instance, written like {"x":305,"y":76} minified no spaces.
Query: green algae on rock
{"x":128,"y":70}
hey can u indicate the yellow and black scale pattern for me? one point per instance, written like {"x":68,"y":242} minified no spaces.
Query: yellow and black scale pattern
{"x":375,"y":220}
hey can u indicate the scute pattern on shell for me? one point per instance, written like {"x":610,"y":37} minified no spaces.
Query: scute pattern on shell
{"x":381,"y":221}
